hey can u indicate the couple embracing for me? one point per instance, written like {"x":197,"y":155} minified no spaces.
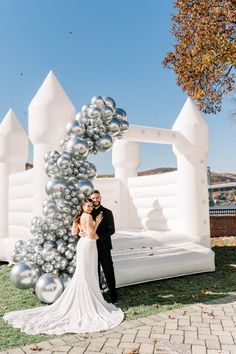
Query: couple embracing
{"x":81,"y":308}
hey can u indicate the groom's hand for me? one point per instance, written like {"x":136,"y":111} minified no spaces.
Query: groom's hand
{"x":82,"y":233}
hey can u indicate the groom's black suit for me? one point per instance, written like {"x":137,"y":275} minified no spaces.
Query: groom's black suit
{"x":105,"y":229}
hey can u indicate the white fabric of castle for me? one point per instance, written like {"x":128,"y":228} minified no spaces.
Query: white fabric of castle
{"x":162,"y":220}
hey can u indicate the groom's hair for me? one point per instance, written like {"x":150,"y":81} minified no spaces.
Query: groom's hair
{"x":96,"y":191}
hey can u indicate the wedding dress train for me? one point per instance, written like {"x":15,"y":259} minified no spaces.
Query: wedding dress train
{"x":81,"y":307}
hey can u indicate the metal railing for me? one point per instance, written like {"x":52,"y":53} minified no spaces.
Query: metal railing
{"x":223,"y":211}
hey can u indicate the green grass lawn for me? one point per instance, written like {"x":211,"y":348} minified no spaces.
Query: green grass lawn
{"x":137,"y":301}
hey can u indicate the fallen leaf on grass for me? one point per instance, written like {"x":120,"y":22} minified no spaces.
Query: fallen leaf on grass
{"x":133,"y":312}
{"x":156,"y":305}
{"x":205,"y":292}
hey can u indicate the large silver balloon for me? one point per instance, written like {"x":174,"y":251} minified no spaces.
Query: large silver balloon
{"x":85,"y":187}
{"x":77,"y":146}
{"x":24,"y":275}
{"x":56,"y":188}
{"x":104,"y":143}
{"x":48,"y":288}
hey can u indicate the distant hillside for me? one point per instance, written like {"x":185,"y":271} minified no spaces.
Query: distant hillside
{"x":224,"y":177}
{"x":216,"y":178}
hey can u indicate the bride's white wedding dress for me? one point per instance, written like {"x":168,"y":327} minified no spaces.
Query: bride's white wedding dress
{"x":81,"y":307}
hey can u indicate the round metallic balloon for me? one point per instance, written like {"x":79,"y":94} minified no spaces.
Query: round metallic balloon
{"x":54,"y":155}
{"x":120,"y":114}
{"x":124,"y":126}
{"x":24,"y":275}
{"x":50,"y":210}
{"x":63,"y":263}
{"x":49,"y":245}
{"x":73,"y":127}
{"x":56,"y":188}
{"x":48,"y":254}
{"x":97,"y":101}
{"x":15,"y":256}
{"x":47,"y":267}
{"x":19,"y":245}
{"x":64,"y":161}
{"x":107,"y":114}
{"x":110,"y":102}
{"x":69,"y":254}
{"x":65,"y":278}
{"x":85,"y":187}
{"x":114,"y":126}
{"x":77,"y":146}
{"x":104,"y":143}
{"x":48,"y":288}
{"x":94,"y":113}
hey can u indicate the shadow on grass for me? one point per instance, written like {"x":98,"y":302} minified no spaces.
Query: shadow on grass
{"x":137,"y":300}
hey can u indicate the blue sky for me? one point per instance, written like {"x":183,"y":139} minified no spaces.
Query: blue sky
{"x":115,"y":49}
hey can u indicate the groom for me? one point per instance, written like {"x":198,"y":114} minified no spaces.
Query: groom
{"x":105,"y":229}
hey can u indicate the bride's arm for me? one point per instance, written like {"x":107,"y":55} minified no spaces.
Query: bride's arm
{"x":92,"y":226}
{"x":75,"y":229}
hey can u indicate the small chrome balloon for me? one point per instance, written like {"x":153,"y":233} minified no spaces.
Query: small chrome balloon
{"x":19,"y":245}
{"x":48,"y":254}
{"x":107,"y":114}
{"x":97,"y":101}
{"x":74,"y":127}
{"x":94,"y":113}
{"x":49,"y":245}
{"x":64,"y":161}
{"x":104,"y":143}
{"x":65,"y":278}
{"x":120,"y":114}
{"x":110,"y":102}
{"x":114,"y":126}
{"x":124,"y":126}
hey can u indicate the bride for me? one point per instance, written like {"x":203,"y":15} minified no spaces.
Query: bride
{"x":81,"y":307}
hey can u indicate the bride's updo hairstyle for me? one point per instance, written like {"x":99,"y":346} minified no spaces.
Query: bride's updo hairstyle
{"x":80,"y":211}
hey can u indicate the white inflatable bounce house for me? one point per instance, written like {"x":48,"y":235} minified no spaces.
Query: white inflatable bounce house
{"x":162,"y":221}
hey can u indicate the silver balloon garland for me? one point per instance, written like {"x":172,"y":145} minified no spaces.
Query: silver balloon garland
{"x":47,"y":262}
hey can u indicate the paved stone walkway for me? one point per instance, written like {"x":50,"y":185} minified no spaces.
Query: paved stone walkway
{"x":208,"y":328}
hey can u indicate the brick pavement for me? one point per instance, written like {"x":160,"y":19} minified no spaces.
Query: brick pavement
{"x":208,"y":328}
